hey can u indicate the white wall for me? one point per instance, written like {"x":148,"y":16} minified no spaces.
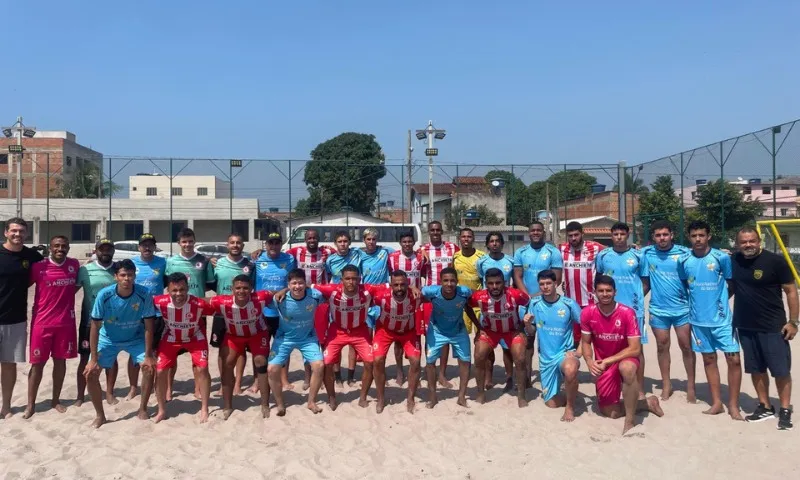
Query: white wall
{"x":187,"y":183}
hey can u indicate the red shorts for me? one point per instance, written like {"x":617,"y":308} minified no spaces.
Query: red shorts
{"x":358,"y":338}
{"x":168,"y":353}
{"x":423,"y":317}
{"x":576,"y":334}
{"x":258,"y":344}
{"x":384,"y":339}
{"x":321,"y":322}
{"x":511,"y":338}
{"x":57,"y":341}
{"x":609,"y":384}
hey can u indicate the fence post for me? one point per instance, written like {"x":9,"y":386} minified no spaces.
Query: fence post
{"x":774,"y":177}
{"x":682,"y":220}
{"x":403,"y":191}
{"x":289,"y":234}
{"x":170,"y":207}
{"x":722,"y":190}
{"x":621,"y":193}
{"x":110,"y":178}
{"x":48,"y":196}
{"x":509,"y":214}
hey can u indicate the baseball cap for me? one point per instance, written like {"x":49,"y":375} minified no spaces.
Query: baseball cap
{"x":274,"y":236}
{"x":147,"y":236}
{"x":103,"y":241}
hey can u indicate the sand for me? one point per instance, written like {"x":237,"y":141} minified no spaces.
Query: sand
{"x":495,"y":440}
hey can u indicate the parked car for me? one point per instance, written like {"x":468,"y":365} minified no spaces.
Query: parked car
{"x":130,"y":249}
{"x":212,"y":250}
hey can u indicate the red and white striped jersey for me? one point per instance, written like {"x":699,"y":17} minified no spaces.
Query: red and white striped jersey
{"x":397,"y":317}
{"x":349,"y":312}
{"x":243,"y":321}
{"x":579,"y":271}
{"x":412,"y":265}
{"x":500,"y":315}
{"x":312,"y":263}
{"x":439,"y":258}
{"x":182,"y":324}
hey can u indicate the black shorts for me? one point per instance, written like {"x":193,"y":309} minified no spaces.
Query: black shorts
{"x":83,"y":339}
{"x":217,"y":331}
{"x":531,"y":338}
{"x":765,"y":350}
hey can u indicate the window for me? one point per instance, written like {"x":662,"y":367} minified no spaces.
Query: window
{"x":133,"y":188}
{"x":766,"y":190}
{"x":784,"y":212}
{"x":69,"y":161}
{"x":177,"y":191}
{"x":694,"y":195}
{"x":3,"y":159}
{"x":3,"y":183}
{"x":747,"y":190}
{"x":152,"y":191}
{"x":177,"y":227}
{"x":784,"y":187}
{"x":133,"y":231}
{"x":202,"y":191}
{"x":81,"y":232}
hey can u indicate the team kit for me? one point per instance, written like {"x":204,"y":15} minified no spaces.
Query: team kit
{"x":418,"y":303}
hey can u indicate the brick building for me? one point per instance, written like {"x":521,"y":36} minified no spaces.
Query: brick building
{"x":603,"y":204}
{"x":58,"y":149}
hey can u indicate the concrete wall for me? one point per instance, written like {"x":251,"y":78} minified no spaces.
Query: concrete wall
{"x":187,"y":183}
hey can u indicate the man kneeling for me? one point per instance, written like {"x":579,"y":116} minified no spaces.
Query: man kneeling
{"x":611,"y":328}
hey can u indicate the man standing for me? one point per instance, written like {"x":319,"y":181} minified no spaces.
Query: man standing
{"x":759,"y":276}
{"x":374,"y":259}
{"x":669,"y":305}
{"x":465,"y":262}
{"x":117,"y":318}
{"x":411,"y":263}
{"x":554,"y":316}
{"x":624,"y":264}
{"x":52,"y":320}
{"x":150,"y":273}
{"x":93,"y":277}
{"x":396,"y":326}
{"x":500,"y":322}
{"x":15,"y":266}
{"x":578,"y":256}
{"x":529,"y":260}
{"x":438,"y":256}
{"x":611,"y":330}
{"x":296,"y":332}
{"x":449,"y":304}
{"x":182,"y":314}
{"x":707,"y":273}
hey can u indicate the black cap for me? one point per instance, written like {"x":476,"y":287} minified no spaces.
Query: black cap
{"x":147,"y":236}
{"x":103,"y":241}
{"x":274,"y":236}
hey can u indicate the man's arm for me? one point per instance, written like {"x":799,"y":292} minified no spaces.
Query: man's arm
{"x":645,"y":285}
{"x":559,"y":274}
{"x":790,"y":329}
{"x":731,"y":287}
{"x":149,"y":360}
{"x":586,"y":350}
{"x":518,"y":282}
{"x":472,"y":318}
{"x":633,"y":350}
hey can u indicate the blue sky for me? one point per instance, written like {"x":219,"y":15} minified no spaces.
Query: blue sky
{"x":528,"y":82}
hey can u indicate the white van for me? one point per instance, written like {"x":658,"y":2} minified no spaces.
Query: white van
{"x":388,"y":233}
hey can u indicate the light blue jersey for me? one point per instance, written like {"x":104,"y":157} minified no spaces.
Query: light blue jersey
{"x":668,"y":295}
{"x":505,"y":265}
{"x":297,"y":316}
{"x":447,"y":316}
{"x":122,"y":316}
{"x":554,"y":322}
{"x":708,"y":290}
{"x":627,"y":270}
{"x":533,"y":260}
{"x":375,"y":266}
{"x":272,"y":274}
{"x":335,"y":263}
{"x":151,"y":274}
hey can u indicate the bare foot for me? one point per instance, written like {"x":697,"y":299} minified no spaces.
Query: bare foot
{"x":339,"y":383}
{"x":522,"y":403}
{"x":197,"y":395}
{"x":314,"y":408}
{"x":735,"y":413}
{"x":111,"y":399}
{"x":488,"y":386}
{"x":218,"y":393}
{"x":715,"y":410}
{"x":306,"y":385}
{"x":58,"y":407}
{"x":654,"y":406}
{"x":265,"y":411}
{"x":99,"y":421}
{"x":444,"y":382}
{"x":666,"y":393}
{"x":410,"y":405}
{"x":432,"y":402}
{"x":79,"y":402}
{"x":351,"y":383}
{"x":509,"y":385}
{"x":142,"y":415}
{"x":626,"y":427}
{"x":480,"y":398}
{"x":332,"y":403}
{"x":401,"y":378}
{"x":569,"y":415}
{"x":237,"y":389}
{"x":131,"y":394}
{"x":462,"y":402}
{"x":691,"y":397}
{"x":288,"y":386}
{"x":363,"y":402}
{"x":29,"y":411}
{"x":169,"y":395}
{"x":159,"y":416}
{"x":253,"y":389}
{"x":5,"y":413}
{"x":281,"y":411}
{"x":204,"y":417}
{"x":528,"y":383}
{"x":227,"y":413}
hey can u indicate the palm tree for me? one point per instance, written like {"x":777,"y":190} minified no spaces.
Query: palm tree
{"x":635,"y":186}
{"x":85,"y":182}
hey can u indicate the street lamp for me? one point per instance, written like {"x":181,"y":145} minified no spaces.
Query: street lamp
{"x":22,"y":131}
{"x":430,"y":133}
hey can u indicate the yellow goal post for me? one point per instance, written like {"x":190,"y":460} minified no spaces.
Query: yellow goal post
{"x":783,"y":236}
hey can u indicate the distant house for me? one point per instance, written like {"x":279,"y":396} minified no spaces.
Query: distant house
{"x":467,"y":190}
{"x":787,"y":194}
{"x":597,"y":228}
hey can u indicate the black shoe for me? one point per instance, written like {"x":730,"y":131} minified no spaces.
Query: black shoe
{"x":785,"y":419}
{"x":762,"y":413}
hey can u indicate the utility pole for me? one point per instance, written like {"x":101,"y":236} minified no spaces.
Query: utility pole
{"x":19,"y":130}
{"x":430,"y":133}
{"x":409,"y":151}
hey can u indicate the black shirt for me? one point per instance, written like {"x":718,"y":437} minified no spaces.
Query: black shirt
{"x":758,"y":303}
{"x":15,"y":268}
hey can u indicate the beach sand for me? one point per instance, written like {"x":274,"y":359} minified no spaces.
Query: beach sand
{"x":495,"y":440}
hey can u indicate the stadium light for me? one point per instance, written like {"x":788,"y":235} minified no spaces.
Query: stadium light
{"x":7,"y":132}
{"x":430,"y":133}
{"x":21,"y":131}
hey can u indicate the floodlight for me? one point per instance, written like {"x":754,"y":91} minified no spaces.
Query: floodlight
{"x":439,"y":135}
{"x":28,"y":133}
{"x":421,"y":134}
{"x":8,"y":133}
{"x":498,"y":182}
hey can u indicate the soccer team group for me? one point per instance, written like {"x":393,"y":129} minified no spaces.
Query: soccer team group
{"x":318,"y":300}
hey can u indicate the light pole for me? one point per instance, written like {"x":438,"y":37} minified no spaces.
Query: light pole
{"x":233,"y":164}
{"x":20,"y":130}
{"x":430,"y":133}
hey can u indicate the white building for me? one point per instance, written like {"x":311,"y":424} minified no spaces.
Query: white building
{"x":466,"y":190}
{"x":151,"y":186}
{"x":787,"y":194}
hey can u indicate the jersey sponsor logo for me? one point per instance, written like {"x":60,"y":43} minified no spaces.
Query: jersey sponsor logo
{"x":282,"y":265}
{"x":710,"y":266}
{"x":610,"y":273}
{"x":506,"y":268}
{"x":71,"y":269}
{"x":617,"y":323}
{"x":631,"y":262}
{"x":198,"y":265}
{"x":757,"y":274}
{"x":245,"y":269}
{"x":562,"y":313}
{"x":544,"y":256}
{"x":135,"y":307}
{"x":675,"y":257}
{"x":577,"y":264}
{"x":309,"y":307}
{"x":36,"y":352}
{"x":25,"y":264}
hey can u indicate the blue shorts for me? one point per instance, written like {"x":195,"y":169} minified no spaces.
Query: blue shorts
{"x":107,"y":352}
{"x":711,"y":339}
{"x":551,"y":376}
{"x":643,"y":329}
{"x":664,"y":322}
{"x":434,"y":341}
{"x":372,"y":315}
{"x":282,"y":348}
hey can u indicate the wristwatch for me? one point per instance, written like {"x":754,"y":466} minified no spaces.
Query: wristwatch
{"x":795,"y":323}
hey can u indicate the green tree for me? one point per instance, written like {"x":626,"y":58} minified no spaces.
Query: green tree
{"x":636,"y":186}
{"x":661,"y":203}
{"x":717,"y":196}
{"x":571,"y":183}
{"x":518,"y":198}
{"x":343,"y":172}
{"x":86,"y":181}
{"x":452,"y":219}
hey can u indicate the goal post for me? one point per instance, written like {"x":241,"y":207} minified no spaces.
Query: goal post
{"x":783,"y":236}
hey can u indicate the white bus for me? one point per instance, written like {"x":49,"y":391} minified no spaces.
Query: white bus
{"x":388,"y":233}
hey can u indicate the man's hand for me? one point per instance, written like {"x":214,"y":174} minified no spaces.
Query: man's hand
{"x":255,"y":254}
{"x":789,"y":331}
{"x":528,"y":318}
{"x":91,"y":367}
{"x":597,"y":368}
{"x":149,"y":363}
{"x":415,"y":293}
{"x":280,"y":295}
{"x":213,"y":261}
